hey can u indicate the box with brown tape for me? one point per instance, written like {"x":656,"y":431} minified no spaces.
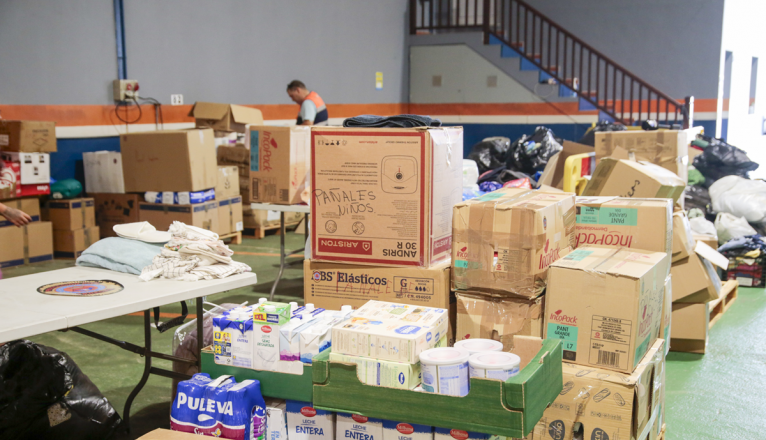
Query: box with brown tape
{"x":504,"y":241}
{"x":230,"y":215}
{"x":666,"y":148}
{"x":484,"y":317}
{"x":161,"y":216}
{"x":30,"y":206}
{"x":70,"y":244}
{"x":32,"y":243}
{"x":115,"y":209}
{"x":627,"y":178}
{"x":71,"y":215}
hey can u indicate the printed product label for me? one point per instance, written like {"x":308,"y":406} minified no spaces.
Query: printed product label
{"x":490,"y":196}
{"x":610,"y":341}
{"x":255,"y":148}
{"x":453,"y":379}
{"x":641,"y":350}
{"x":5,"y":140}
{"x":501,"y":261}
{"x":222,"y":344}
{"x":578,"y":255}
{"x":607,"y":216}
{"x":461,"y":264}
{"x":568,"y":334}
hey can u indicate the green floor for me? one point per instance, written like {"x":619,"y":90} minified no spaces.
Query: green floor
{"x":716,"y":396}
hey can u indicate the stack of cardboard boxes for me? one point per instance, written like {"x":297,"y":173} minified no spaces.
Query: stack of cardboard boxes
{"x":74,"y":225}
{"x":381,"y":215}
{"x":279,"y":172}
{"x":178,"y":168}
{"x":25,"y":172}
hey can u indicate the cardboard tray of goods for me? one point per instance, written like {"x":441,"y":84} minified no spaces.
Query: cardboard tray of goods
{"x":273,"y":384}
{"x":510,"y":408}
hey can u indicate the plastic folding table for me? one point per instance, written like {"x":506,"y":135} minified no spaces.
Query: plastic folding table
{"x":25,"y":312}
{"x":282,"y":209}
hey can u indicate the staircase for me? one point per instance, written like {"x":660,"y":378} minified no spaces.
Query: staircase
{"x":561,"y":58}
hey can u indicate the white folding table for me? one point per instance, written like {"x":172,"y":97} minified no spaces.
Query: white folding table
{"x":25,"y":312}
{"x":282,"y":209}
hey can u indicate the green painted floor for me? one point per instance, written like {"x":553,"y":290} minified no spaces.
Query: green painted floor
{"x":719,"y":395}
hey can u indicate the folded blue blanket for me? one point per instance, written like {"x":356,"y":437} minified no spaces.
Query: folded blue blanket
{"x":119,"y":254}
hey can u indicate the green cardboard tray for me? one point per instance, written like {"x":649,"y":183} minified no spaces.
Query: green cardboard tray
{"x":273,"y":384}
{"x":510,"y":408}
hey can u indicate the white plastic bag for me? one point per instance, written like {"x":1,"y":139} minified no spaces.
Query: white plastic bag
{"x":470,"y":173}
{"x":740,"y":197}
{"x":702,"y":226}
{"x":729,"y":227}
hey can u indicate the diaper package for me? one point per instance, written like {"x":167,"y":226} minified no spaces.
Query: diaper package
{"x":356,"y":427}
{"x":180,"y":198}
{"x":219,"y":408}
{"x":304,"y":422}
{"x":233,"y":338}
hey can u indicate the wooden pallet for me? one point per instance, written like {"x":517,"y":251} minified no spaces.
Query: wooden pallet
{"x":662,"y":433}
{"x":259,"y":233}
{"x":235,"y":237}
{"x":723,"y":303}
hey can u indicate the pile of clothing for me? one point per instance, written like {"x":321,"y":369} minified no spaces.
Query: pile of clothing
{"x":193,"y":254}
{"x":747,"y":256}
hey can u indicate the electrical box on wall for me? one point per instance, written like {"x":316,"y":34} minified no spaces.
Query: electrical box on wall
{"x":125,"y":89}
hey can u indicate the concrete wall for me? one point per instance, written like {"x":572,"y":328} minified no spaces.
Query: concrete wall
{"x":57,"y":52}
{"x":744,"y":36}
{"x":464,"y":77}
{"x":673,"y":45}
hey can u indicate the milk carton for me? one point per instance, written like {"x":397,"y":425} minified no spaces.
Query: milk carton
{"x":406,"y":431}
{"x":318,"y":337}
{"x":356,"y":427}
{"x":276,"y":419}
{"x":289,"y":334}
{"x":457,"y":434}
{"x":233,"y":339}
{"x":304,"y":422}
{"x":268,"y":318}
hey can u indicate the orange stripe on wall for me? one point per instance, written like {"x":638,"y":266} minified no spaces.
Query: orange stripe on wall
{"x":81,"y":115}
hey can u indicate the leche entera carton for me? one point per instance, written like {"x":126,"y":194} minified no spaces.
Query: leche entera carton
{"x":458,"y":434}
{"x":268,"y":318}
{"x":625,"y":222}
{"x":384,"y":196}
{"x":606,"y":305}
{"x":504,"y":241}
{"x":390,"y":331}
{"x":290,"y":333}
{"x":233,"y":338}
{"x":276,"y":419}
{"x":318,"y":337}
{"x":406,"y":431}
{"x":357,"y":427}
{"x":304,"y":422}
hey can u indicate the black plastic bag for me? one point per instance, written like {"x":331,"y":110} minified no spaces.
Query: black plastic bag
{"x":720,"y":159}
{"x":503,"y":175}
{"x":590,"y":136}
{"x":696,"y":196}
{"x":490,"y":153}
{"x":44,"y":395}
{"x":530,"y":154}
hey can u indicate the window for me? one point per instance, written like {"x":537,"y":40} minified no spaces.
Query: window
{"x":753,"y":83}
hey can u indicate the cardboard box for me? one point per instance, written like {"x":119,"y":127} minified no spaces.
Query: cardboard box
{"x":103,"y":172}
{"x":225,"y":117}
{"x":607,"y":405}
{"x":28,"y":136}
{"x":230,"y":216}
{"x":161,"y":216}
{"x":624,"y":222}
{"x":165,"y":434}
{"x":553,"y":174}
{"x":666,"y":148}
{"x":683,"y":237}
{"x":71,"y":215}
{"x":626,"y":178}
{"x":34,"y":168}
{"x":278,"y":163}
{"x":332,"y":285}
{"x":689,"y":332}
{"x":170,"y":160}
{"x":606,"y":305}
{"x":238,"y":155}
{"x":32,"y":243}
{"x":115,"y":209}
{"x":70,"y":244}
{"x":710,"y":240}
{"x":694,"y":280}
{"x":30,"y":206}
{"x":667,"y":312}
{"x":10,"y":175}
{"x":227,"y":185}
{"x":498,"y":318}
{"x":261,"y":219}
{"x":504,"y":241}
{"x":384,"y":196}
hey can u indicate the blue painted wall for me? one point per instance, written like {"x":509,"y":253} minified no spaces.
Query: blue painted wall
{"x":67,"y":162}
